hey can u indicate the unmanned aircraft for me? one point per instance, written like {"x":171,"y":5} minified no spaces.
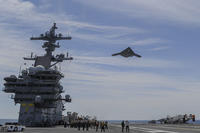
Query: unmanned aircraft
{"x":128,"y":52}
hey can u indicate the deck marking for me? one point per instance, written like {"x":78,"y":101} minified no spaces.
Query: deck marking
{"x":148,"y":130}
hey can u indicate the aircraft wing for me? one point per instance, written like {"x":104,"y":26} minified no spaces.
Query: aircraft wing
{"x":116,"y":54}
{"x":137,"y":55}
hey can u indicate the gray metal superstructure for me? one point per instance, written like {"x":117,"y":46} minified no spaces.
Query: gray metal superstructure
{"x":37,"y":89}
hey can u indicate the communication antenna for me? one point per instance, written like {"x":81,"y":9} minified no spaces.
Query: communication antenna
{"x":20,"y":69}
{"x":59,"y":64}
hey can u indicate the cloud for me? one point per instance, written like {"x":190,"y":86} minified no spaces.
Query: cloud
{"x":21,"y":11}
{"x":118,"y":86}
{"x":159,"y":48}
{"x":181,"y":11}
{"x":128,"y":62}
{"x":149,"y":94}
{"x":148,"y":41}
{"x":16,"y":7}
{"x":136,"y":91}
{"x":100,"y":28}
{"x":93,"y":72}
{"x":124,"y":75}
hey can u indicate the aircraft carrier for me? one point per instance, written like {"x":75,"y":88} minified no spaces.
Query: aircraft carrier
{"x":38,"y":91}
{"x":37,"y":88}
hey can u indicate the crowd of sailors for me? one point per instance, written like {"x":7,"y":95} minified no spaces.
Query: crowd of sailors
{"x":85,"y":125}
{"x":102,"y":126}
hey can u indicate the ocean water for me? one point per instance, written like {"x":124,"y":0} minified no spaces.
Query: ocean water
{"x":3,"y":121}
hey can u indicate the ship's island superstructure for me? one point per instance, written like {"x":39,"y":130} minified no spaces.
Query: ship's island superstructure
{"x":37,"y":89}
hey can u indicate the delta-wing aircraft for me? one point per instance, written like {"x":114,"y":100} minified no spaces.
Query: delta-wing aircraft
{"x":128,"y":52}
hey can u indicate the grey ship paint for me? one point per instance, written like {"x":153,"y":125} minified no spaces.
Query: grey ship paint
{"x":37,"y":89}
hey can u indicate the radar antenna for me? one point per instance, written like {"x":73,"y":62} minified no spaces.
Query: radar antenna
{"x":50,"y":37}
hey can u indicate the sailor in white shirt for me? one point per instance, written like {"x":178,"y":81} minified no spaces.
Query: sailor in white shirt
{"x":127,"y":126}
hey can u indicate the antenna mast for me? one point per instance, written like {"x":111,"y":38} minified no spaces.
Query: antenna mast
{"x":50,"y":38}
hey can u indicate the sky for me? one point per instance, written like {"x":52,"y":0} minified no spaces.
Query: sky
{"x":165,"y":81}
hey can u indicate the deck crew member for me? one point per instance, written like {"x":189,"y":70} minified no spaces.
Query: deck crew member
{"x":127,"y":126}
{"x":122,"y":124}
